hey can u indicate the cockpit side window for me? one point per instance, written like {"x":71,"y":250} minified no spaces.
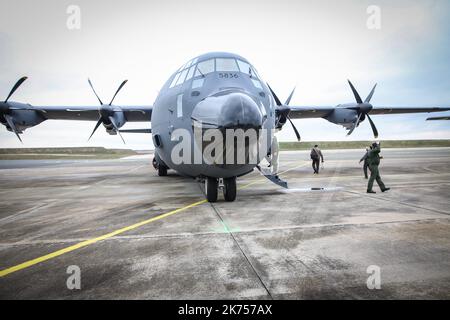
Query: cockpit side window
{"x":197,"y":83}
{"x":182,"y":77}
{"x":257,"y":84}
{"x":174,"y":80}
{"x":190,"y":73}
{"x":204,"y":68}
{"x":226,"y":64}
{"x":255,"y":73}
{"x":187,"y":64}
{"x":244,"y":67}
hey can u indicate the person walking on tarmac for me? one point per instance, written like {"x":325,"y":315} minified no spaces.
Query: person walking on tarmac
{"x":274,"y":156}
{"x":366,"y":162}
{"x":316,"y":155}
{"x":373,"y":157}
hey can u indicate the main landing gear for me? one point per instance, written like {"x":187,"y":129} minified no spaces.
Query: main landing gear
{"x":212,"y":188}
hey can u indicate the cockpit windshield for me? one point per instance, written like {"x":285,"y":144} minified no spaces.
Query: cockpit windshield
{"x":226,"y":65}
{"x":192,"y":69}
{"x":204,"y":67}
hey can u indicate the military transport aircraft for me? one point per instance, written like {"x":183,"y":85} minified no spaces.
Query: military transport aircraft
{"x":218,"y":90}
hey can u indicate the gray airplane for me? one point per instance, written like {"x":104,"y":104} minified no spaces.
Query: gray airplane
{"x":216,"y":90}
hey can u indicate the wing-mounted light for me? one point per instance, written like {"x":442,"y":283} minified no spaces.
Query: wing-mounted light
{"x":112,"y":117}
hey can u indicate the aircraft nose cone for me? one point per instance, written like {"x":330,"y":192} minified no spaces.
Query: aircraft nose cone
{"x":229,"y":111}
{"x":240,"y":111}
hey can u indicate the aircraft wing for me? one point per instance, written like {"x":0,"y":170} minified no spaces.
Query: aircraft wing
{"x":17,"y":117}
{"x":131,"y":113}
{"x":305,"y":112}
{"x":400,"y":110}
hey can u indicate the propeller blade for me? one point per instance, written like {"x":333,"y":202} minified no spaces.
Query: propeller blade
{"x":118,"y":89}
{"x":10,"y":122}
{"x":355,"y":124}
{"x":116,"y":128}
{"x":14,"y":88}
{"x":277,"y":101}
{"x":290,"y":97}
{"x":295,"y":129}
{"x":99,"y":122}
{"x":374,"y":129}
{"x":355,"y":93}
{"x":370,"y":94}
{"x":90,"y":83}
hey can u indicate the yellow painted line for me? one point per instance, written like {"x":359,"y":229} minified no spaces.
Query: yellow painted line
{"x":85,"y":243}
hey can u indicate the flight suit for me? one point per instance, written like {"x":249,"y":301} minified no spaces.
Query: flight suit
{"x":366,"y":164}
{"x":316,"y":155}
{"x":275,"y":155}
{"x":273,"y":158}
{"x":373,"y":158}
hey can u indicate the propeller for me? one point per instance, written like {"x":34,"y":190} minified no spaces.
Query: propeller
{"x":283,"y":109}
{"x":106,"y":112}
{"x":5,"y":108}
{"x":363,"y":109}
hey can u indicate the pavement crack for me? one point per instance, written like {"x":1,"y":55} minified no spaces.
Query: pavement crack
{"x":220,"y":218}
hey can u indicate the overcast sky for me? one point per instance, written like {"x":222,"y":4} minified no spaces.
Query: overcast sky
{"x":313,"y":45}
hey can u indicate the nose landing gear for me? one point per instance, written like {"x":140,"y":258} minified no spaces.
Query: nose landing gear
{"x":160,"y":167}
{"x":212,"y":187}
{"x":229,"y":189}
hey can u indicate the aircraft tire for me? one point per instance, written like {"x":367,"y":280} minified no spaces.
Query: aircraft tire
{"x":229,"y":190}
{"x":162,"y":170}
{"x":211,"y":189}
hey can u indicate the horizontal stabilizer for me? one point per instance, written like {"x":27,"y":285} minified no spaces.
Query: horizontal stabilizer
{"x":136,"y":130}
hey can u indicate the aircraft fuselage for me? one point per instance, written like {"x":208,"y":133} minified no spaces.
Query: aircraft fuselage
{"x":222,"y":95}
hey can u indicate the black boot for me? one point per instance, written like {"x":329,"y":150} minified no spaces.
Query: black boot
{"x":370,"y":191}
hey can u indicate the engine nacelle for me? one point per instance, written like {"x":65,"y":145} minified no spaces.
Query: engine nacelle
{"x":23,"y":119}
{"x":344,"y":117}
{"x":119,"y":120}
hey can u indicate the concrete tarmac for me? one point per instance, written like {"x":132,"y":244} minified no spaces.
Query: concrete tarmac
{"x":271,"y":243}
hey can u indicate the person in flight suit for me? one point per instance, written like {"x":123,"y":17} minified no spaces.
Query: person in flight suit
{"x":373,"y":158}
{"x":366,"y":162}
{"x":273,"y":159}
{"x":316,"y":155}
